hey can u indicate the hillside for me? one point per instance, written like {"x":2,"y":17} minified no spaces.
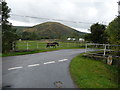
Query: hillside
{"x":50,"y":30}
{"x":20,"y":28}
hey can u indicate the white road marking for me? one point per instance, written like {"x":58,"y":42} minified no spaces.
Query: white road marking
{"x":15,"y":68}
{"x":62,"y":60}
{"x":33,"y":65}
{"x":49,"y":62}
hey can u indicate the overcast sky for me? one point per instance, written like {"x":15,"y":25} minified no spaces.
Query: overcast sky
{"x":90,"y":11}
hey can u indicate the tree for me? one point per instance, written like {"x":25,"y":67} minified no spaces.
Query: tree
{"x":26,"y":35}
{"x":97,"y":34}
{"x":113,"y":31}
{"x":87,"y":37}
{"x":8,"y":33}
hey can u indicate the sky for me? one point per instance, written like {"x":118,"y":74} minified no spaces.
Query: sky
{"x":81,"y":13}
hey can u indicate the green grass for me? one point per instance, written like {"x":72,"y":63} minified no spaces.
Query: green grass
{"x":89,"y":73}
{"x":42,"y":45}
{"x":22,"y":47}
{"x":27,"y":52}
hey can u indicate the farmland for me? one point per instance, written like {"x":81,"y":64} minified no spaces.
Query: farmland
{"x":29,"y":47}
{"x":40,"y":45}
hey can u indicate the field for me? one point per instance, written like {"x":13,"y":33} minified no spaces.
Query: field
{"x":40,"y":45}
{"x":30,"y":47}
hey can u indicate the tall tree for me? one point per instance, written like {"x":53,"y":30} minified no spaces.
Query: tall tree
{"x":8,"y":33}
{"x":113,"y":31}
{"x":97,"y":34}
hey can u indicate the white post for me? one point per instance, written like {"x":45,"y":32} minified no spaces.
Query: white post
{"x":85,"y":47}
{"x":37,"y":45}
{"x":27,"y":46}
{"x":109,"y":60}
{"x":104,"y":50}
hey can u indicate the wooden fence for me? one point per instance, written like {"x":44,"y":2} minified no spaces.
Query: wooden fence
{"x":101,"y":47}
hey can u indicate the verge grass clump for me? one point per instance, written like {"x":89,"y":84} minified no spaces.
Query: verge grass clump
{"x":90,"y":73}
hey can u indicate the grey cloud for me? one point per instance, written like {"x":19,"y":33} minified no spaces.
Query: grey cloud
{"x":72,"y":10}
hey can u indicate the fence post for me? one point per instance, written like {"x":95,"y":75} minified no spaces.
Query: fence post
{"x":27,"y":46}
{"x":109,"y":60}
{"x":85,"y":47}
{"x":37,"y":45}
{"x":104,"y":50}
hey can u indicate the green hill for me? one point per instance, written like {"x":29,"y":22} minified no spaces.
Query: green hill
{"x":19,"y":29}
{"x":50,"y":30}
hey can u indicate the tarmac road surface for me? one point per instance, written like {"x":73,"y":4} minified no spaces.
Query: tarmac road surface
{"x":40,"y":70}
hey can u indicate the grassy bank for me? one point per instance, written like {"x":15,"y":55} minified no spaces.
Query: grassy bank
{"x":27,"y":52}
{"x":89,"y":73}
{"x":32,"y":51}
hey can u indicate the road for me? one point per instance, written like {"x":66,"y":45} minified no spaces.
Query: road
{"x":40,"y":70}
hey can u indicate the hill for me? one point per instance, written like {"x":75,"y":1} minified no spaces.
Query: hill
{"x":49,"y":30}
{"x":19,"y":29}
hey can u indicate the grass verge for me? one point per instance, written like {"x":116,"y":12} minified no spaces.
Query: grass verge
{"x":89,"y":73}
{"x":25,"y":52}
